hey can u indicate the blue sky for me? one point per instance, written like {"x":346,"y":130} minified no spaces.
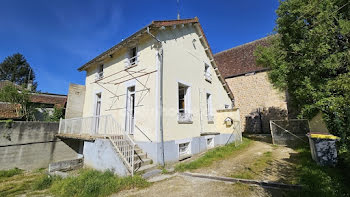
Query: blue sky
{"x":58,"y":36}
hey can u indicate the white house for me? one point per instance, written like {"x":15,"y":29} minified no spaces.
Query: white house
{"x":155,"y":97}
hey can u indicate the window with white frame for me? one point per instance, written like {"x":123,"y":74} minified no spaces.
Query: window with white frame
{"x":184,"y":103}
{"x":209,"y":108}
{"x":210,"y":142}
{"x":207,"y":73}
{"x":133,"y":56}
{"x":184,"y":149}
{"x":99,"y":74}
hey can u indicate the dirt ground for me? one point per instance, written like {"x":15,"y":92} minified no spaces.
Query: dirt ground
{"x":278,"y":170}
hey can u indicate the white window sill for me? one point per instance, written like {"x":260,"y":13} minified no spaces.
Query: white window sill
{"x":183,"y":157}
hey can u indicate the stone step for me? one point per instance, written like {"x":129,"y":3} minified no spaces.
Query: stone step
{"x":140,"y":155}
{"x":146,"y":168}
{"x":143,"y":162}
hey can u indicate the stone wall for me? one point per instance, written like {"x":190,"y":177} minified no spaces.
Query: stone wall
{"x":75,"y":101}
{"x":32,"y":145}
{"x":258,"y":101}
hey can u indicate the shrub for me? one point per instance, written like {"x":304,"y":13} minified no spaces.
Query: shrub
{"x":10,"y":173}
{"x":95,"y":183}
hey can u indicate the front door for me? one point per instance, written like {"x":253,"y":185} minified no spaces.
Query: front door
{"x":130,"y":110}
{"x":97,"y":112}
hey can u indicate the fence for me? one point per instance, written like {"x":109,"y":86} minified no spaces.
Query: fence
{"x":289,"y":132}
{"x":236,"y":133}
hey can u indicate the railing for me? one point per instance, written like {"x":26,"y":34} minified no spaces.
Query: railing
{"x":133,"y":61}
{"x":184,"y":117}
{"x":99,"y":75}
{"x":104,"y":126}
{"x":207,"y":76}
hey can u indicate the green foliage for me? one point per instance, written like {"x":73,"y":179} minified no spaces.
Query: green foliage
{"x":15,"y":68}
{"x":44,"y":182}
{"x":318,"y":180}
{"x":95,"y":183}
{"x":57,"y":114}
{"x":310,"y":58}
{"x":14,"y":95}
{"x":10,"y":173}
{"x":212,"y":155}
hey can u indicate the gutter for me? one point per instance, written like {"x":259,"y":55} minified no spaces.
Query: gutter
{"x":160,"y":108}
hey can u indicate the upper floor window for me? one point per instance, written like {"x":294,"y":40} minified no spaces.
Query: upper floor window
{"x":99,"y":72}
{"x":132,"y":57}
{"x":207,"y":73}
{"x":209,"y":108}
{"x":184,"y":102}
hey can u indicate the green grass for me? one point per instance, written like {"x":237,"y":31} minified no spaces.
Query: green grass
{"x":319,"y":180}
{"x":44,"y":182}
{"x":87,"y":183}
{"x":215,"y":154}
{"x":256,"y":168}
{"x":10,"y":173}
{"x":95,"y":183}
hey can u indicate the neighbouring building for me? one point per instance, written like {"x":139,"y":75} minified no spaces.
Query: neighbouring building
{"x":155,"y":97}
{"x":44,"y":104}
{"x":258,"y":101}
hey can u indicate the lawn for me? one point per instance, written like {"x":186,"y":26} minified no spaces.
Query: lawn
{"x":320,"y":180}
{"x":215,"y":154}
{"x":88,"y":182}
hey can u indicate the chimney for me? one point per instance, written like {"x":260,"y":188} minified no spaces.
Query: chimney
{"x":30,"y":85}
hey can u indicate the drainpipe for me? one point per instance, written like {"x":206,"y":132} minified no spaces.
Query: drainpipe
{"x":160,"y":56}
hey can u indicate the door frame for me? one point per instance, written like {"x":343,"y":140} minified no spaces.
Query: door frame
{"x":129,"y":85}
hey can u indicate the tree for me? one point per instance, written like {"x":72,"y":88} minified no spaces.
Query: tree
{"x":15,"y":68}
{"x":310,"y":57}
{"x":13,"y":95}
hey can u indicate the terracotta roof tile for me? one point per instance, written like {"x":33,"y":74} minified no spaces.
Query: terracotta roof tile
{"x":240,"y":60}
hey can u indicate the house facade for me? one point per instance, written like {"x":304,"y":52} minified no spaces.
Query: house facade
{"x":160,"y":89}
{"x":258,"y":101}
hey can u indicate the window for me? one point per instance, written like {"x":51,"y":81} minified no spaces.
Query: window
{"x":184,"y":149}
{"x":210,"y":142}
{"x":133,"y":56}
{"x":99,"y":72}
{"x":207,"y":73}
{"x":184,"y":115}
{"x":209,"y":108}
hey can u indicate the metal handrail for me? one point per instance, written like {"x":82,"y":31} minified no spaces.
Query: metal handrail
{"x":105,"y":126}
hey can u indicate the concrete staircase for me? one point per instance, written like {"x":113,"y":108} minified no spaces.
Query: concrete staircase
{"x":142,"y":163}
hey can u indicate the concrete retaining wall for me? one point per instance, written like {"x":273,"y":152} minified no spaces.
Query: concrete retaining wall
{"x":32,"y":145}
{"x":101,"y":155}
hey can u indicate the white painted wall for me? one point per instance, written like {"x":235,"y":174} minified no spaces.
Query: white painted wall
{"x":182,"y":63}
{"x":185,"y":63}
{"x":145,"y":101}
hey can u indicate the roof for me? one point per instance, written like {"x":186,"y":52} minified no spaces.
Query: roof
{"x":156,"y":25}
{"x":240,"y":60}
{"x":48,"y":99}
{"x":153,"y":24}
{"x":43,"y":98}
{"x":9,"y":111}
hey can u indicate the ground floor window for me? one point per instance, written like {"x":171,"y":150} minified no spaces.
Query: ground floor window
{"x":210,"y":142}
{"x":184,"y":149}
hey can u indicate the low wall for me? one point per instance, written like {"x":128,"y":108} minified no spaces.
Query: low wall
{"x":32,"y":145}
{"x":100,"y":155}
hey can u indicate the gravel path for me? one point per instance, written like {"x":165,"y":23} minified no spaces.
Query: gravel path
{"x":190,"y":186}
